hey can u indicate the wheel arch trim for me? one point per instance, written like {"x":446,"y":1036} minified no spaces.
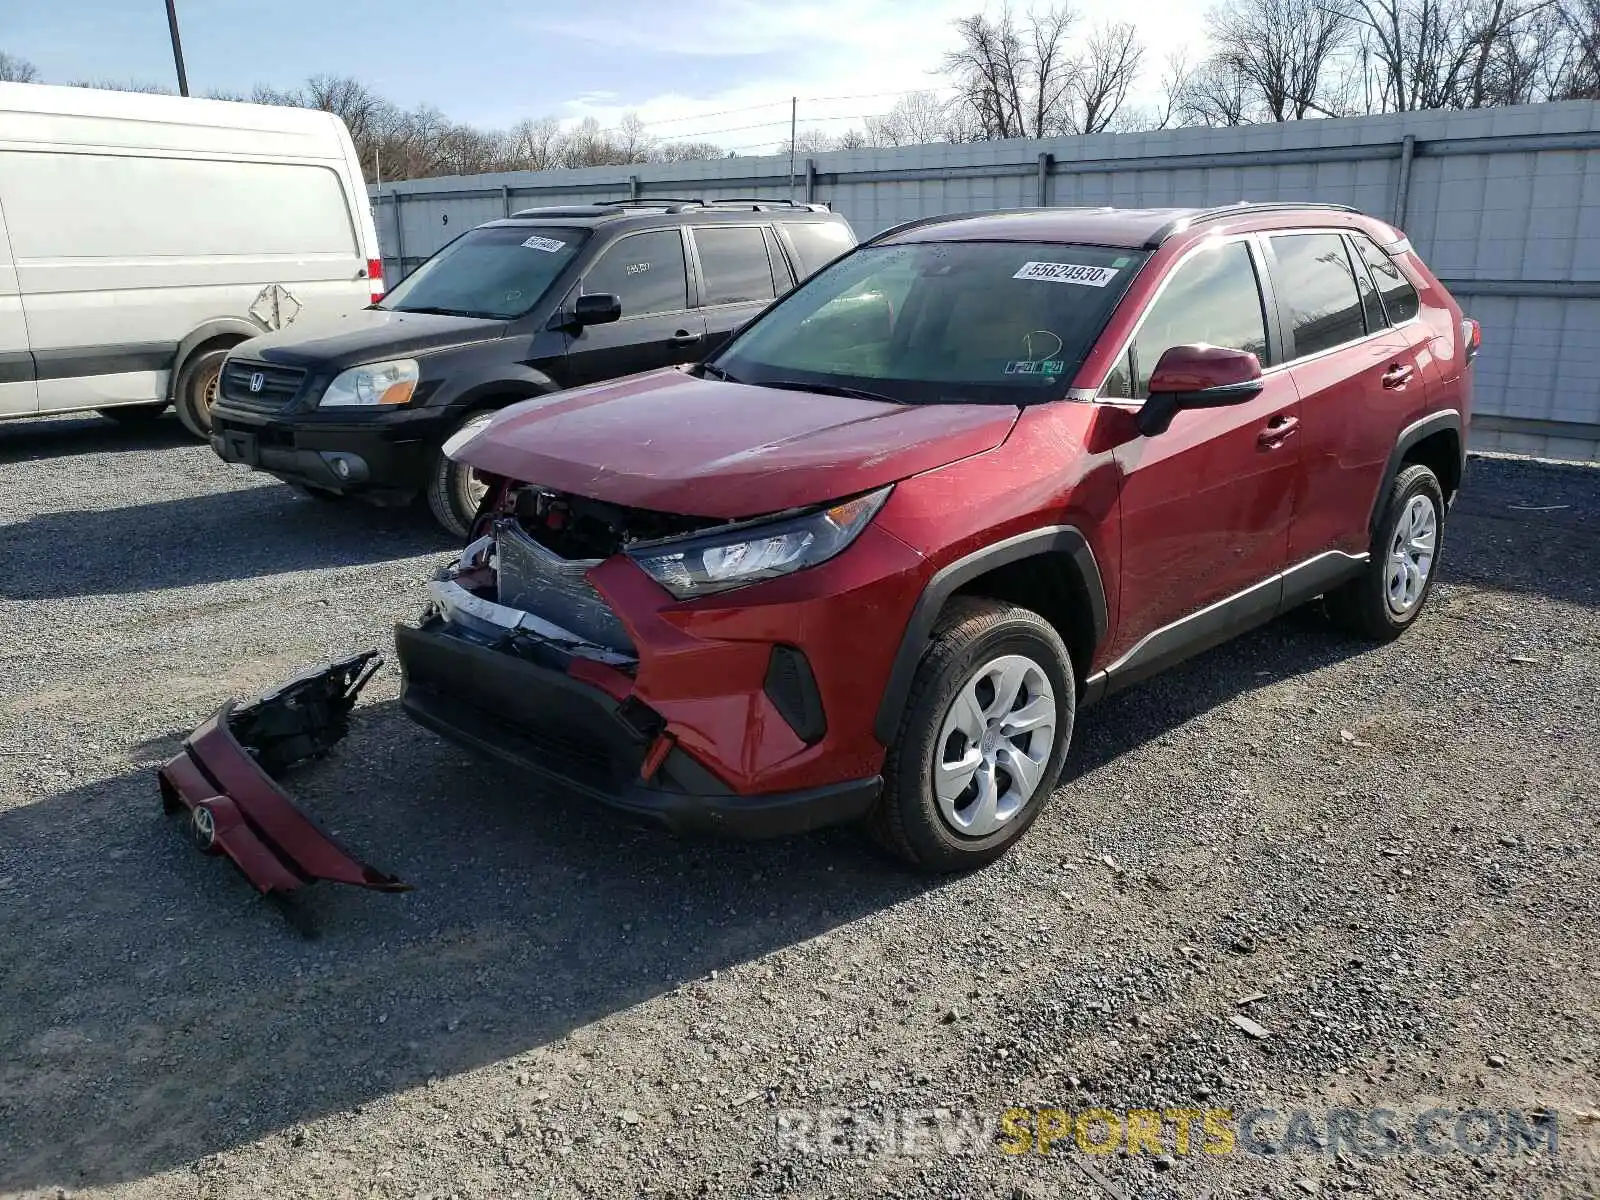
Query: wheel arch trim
{"x":1444,"y":421}
{"x":234,"y":327}
{"x":949,"y":579}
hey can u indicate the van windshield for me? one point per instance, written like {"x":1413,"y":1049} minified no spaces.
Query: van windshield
{"x":497,"y":272}
{"x":939,"y":323}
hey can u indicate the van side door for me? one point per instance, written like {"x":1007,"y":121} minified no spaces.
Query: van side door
{"x":738,"y":278}
{"x":19,"y":391}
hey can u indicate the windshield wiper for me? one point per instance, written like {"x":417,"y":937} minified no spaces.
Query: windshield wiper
{"x":716,"y":372}
{"x":429,"y":311}
{"x":830,"y":389}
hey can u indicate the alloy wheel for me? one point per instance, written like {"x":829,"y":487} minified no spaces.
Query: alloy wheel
{"x":1411,"y":554}
{"x":994,"y":745}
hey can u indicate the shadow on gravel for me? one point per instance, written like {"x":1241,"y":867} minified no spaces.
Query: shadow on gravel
{"x":157,"y":1011}
{"x":244,"y":534}
{"x":1527,"y":526}
{"x":55,"y":438}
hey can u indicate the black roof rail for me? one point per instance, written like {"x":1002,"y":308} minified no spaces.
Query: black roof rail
{"x":760,"y":202}
{"x":919,"y":222}
{"x":669,"y":204}
{"x":1242,"y":208}
{"x":568,"y":210}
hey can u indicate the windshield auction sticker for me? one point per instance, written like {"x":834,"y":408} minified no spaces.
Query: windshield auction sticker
{"x":548,"y":245}
{"x":1066,"y":273}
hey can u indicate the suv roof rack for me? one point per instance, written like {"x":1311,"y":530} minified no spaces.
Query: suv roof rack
{"x":568,"y":210}
{"x":763,"y":202}
{"x":1242,"y":208}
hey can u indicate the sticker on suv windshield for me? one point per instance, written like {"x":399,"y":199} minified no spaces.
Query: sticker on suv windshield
{"x":548,"y":245}
{"x":1048,"y":366}
{"x":1066,"y":273}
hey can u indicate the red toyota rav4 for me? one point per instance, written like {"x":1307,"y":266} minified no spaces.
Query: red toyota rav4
{"x":870,"y":561}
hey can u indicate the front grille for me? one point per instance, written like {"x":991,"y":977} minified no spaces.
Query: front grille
{"x":539,"y":581}
{"x":278,"y":386}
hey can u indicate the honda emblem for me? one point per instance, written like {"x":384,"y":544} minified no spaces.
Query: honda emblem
{"x":257,"y":381}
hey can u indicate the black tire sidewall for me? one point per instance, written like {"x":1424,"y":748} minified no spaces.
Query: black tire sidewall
{"x":934,"y":844}
{"x":1413,"y":481}
{"x":189,"y":404}
{"x":447,"y":485}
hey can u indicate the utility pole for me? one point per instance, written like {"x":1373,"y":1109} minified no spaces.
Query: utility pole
{"x":177,"y":47}
{"x":794,"y":109}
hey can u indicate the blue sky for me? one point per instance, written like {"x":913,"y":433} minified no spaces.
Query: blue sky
{"x":492,"y":62}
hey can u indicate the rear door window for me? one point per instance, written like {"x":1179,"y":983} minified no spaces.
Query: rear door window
{"x":1316,"y":286}
{"x":1399,"y":297}
{"x":734,"y":265}
{"x":817,"y":243}
{"x":645,"y":271}
{"x":1213,"y":298}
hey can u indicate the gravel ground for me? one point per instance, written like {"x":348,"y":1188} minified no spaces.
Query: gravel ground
{"x":1395,"y":848}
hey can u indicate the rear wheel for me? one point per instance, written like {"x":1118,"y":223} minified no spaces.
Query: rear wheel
{"x":454,"y":490}
{"x":133,"y":414}
{"x":982,"y":740}
{"x":196,"y":392}
{"x":1383,"y":601}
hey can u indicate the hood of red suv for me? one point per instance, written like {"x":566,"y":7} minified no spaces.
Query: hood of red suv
{"x":676,"y":443}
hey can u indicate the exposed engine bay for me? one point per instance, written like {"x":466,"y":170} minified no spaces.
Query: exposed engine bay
{"x":525,"y":576}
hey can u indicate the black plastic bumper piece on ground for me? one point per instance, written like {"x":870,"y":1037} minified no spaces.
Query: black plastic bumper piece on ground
{"x":543,"y":722}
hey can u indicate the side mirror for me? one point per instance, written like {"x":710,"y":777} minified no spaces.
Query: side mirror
{"x":1198,"y":377}
{"x":602,"y":308}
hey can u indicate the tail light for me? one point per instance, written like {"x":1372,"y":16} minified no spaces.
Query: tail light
{"x":1471,"y":337}
{"x":375,"y":278}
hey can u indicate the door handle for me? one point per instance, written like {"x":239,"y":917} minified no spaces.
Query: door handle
{"x":684,"y":338}
{"x":1398,"y":375}
{"x":1277,"y":431}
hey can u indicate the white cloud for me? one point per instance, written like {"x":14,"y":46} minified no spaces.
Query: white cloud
{"x":844,"y":59}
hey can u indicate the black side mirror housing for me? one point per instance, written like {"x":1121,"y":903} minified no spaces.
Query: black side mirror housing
{"x":602,"y":308}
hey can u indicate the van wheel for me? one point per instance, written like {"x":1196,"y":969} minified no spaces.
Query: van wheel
{"x":983,"y":738}
{"x":133,"y":414}
{"x":454,"y":492}
{"x":197,"y":391}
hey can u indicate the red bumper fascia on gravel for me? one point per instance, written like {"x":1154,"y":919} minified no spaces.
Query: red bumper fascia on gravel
{"x":224,"y":778}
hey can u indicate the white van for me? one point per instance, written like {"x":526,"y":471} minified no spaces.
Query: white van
{"x":142,"y":236}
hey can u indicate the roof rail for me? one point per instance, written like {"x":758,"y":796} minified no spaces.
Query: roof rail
{"x":568,"y":210}
{"x":760,"y":202}
{"x":919,"y":222}
{"x":669,"y":204}
{"x":1242,"y":208}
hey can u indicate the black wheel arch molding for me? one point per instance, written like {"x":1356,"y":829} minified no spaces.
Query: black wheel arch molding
{"x":1446,"y":420}
{"x":951,"y":578}
{"x":236,"y":328}
{"x":466,"y":390}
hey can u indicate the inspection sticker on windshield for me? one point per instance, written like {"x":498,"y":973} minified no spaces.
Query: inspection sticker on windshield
{"x":1066,"y":273}
{"x":548,"y":245}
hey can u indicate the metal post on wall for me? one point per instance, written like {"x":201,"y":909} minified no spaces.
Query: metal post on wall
{"x":794,"y":111}
{"x":505,"y":200}
{"x":399,"y":238}
{"x":811,"y":180}
{"x":177,"y":47}
{"x":633,"y":187}
{"x":1402,"y":186}
{"x":1045,"y":162}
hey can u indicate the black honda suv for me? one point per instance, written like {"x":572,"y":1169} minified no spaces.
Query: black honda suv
{"x":548,"y":298}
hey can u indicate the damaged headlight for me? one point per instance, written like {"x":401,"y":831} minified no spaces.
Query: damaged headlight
{"x":716,"y":562}
{"x":371,"y":385}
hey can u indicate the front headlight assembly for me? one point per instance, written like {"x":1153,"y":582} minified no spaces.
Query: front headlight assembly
{"x":380,"y":383}
{"x":702,"y":566}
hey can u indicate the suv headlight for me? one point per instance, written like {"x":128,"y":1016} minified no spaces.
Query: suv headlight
{"x":372,"y":384}
{"x":701,"y":566}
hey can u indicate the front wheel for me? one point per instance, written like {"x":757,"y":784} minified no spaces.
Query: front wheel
{"x":454,"y":491}
{"x":982,"y":740}
{"x":1383,"y":601}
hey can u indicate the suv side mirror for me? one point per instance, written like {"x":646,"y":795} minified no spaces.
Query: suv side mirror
{"x":602,"y":308}
{"x":1198,"y":377}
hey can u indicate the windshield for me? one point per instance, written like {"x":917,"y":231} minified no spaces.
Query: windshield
{"x":939,"y":322}
{"x":498,"y":272}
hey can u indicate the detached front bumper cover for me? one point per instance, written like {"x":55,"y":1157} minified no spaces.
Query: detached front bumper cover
{"x":225,"y":779}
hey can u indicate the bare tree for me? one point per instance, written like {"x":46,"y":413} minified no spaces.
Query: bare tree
{"x":1215,"y":94}
{"x":989,"y":68}
{"x":916,"y":119}
{"x":1101,"y":77}
{"x":1279,"y":53}
{"x":688,"y":151}
{"x":17,"y":70}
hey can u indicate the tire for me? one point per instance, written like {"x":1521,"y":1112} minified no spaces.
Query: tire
{"x":453,"y":495}
{"x":1385,"y":599}
{"x":196,"y":391}
{"x":975,"y":644}
{"x":133,"y":414}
